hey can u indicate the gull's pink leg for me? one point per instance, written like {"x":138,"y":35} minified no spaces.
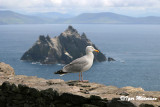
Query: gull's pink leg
{"x":79,"y":77}
{"x":82,"y":78}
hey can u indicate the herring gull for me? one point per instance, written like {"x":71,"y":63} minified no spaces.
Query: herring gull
{"x":80,"y":65}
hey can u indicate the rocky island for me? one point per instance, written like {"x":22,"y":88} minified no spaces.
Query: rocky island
{"x":30,"y":91}
{"x":64,"y":48}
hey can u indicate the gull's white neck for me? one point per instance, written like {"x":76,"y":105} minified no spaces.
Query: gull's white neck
{"x":90,"y":55}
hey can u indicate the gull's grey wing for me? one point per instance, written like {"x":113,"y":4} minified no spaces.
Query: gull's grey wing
{"x":76,"y":65}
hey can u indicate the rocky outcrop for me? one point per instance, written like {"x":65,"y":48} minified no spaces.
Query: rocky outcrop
{"x":68,"y":46}
{"x":111,"y":59}
{"x":30,"y":91}
{"x":6,"y":70}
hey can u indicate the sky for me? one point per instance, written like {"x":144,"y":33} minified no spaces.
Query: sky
{"x":126,"y":7}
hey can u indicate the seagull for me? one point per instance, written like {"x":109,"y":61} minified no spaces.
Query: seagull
{"x":80,"y":65}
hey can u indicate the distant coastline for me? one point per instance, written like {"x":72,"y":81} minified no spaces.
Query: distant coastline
{"x":10,"y":17}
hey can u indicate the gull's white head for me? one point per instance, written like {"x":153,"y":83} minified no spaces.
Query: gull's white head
{"x":90,"y":49}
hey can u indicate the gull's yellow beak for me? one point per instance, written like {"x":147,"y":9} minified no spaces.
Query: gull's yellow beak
{"x":96,"y":50}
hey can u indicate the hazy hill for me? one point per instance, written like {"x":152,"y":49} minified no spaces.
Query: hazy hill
{"x":104,"y":17}
{"x":9,"y":17}
{"x":54,"y":15}
{"x":148,"y":20}
{"x":112,"y":18}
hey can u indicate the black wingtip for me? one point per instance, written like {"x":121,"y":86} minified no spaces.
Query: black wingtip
{"x":59,"y":72}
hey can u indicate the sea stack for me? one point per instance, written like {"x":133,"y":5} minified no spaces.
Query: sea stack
{"x":64,"y":48}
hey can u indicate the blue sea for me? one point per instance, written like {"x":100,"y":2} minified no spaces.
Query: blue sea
{"x":136,"y":49}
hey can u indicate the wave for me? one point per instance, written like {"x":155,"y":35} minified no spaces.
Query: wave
{"x":36,"y":63}
{"x":60,"y":64}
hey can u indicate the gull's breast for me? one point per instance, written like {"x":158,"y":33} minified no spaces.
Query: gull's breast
{"x":88,"y":65}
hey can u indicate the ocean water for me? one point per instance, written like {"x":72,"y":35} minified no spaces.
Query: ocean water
{"x":135,"y":47}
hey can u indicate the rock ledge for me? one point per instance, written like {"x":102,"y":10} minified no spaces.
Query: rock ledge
{"x":30,"y":91}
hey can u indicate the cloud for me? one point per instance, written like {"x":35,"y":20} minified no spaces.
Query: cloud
{"x":77,"y":5}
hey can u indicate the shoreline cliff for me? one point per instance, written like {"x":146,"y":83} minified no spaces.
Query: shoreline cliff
{"x":30,"y":91}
